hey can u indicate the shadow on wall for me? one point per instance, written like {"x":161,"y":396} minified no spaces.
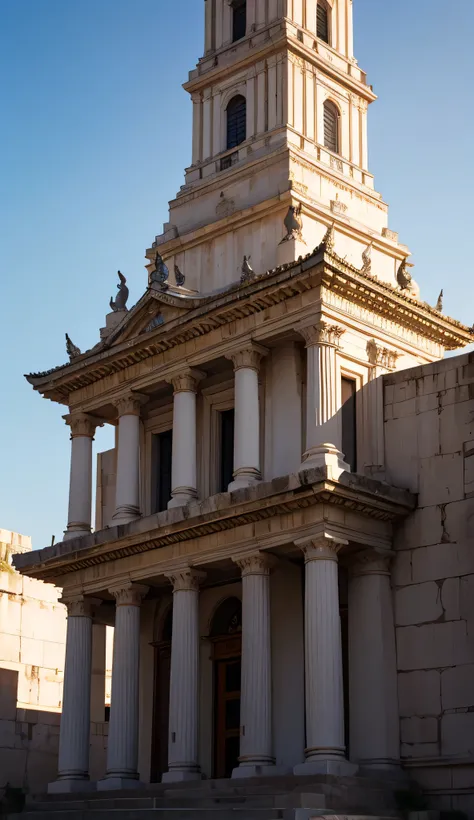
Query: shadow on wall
{"x":29,"y":740}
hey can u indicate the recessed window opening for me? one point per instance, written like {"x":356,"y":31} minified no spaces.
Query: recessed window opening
{"x":226,"y":466}
{"x":331,"y":127}
{"x":236,"y":121}
{"x":239,"y":19}
{"x":349,"y":422}
{"x":162,"y":445}
{"x":322,"y":21}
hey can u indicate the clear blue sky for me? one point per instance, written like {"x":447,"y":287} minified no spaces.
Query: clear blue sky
{"x":95,"y":134}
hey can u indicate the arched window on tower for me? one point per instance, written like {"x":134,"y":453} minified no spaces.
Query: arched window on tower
{"x":239,"y":19}
{"x":322,"y":21}
{"x":331,"y":127}
{"x":236,"y":121}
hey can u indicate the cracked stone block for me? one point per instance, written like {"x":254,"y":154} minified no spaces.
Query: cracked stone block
{"x":419,"y":693}
{"x":421,"y":529}
{"x":433,"y":645}
{"x":442,"y":561}
{"x":450,"y":599}
{"x":441,"y":479}
{"x":457,"y":687}
{"x":418,"y":604}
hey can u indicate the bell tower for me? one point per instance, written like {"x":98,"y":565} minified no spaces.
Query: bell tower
{"x":280,"y":110}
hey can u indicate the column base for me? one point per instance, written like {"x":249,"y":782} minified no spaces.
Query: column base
{"x":124,"y":514}
{"x":70,"y":786}
{"x":326,"y":456}
{"x":180,"y":776}
{"x":244,"y":477}
{"x":117,"y":783}
{"x":181,"y":498}
{"x":76,"y":533}
{"x":338,"y":768}
{"x":259,"y":770}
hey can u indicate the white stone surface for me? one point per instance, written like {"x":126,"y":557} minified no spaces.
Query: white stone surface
{"x":80,"y":482}
{"x":127,"y":491}
{"x":247,"y":417}
{"x":256,"y":748}
{"x":184,"y":683}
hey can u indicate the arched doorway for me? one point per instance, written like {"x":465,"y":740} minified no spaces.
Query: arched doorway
{"x":226,"y":639}
{"x":161,"y":700}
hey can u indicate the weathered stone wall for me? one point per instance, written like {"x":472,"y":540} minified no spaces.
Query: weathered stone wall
{"x":429,"y":438}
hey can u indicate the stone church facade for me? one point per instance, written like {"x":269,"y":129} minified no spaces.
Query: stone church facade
{"x":254,"y":519}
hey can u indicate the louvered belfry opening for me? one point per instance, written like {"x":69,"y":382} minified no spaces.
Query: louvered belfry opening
{"x":236,"y":121}
{"x":239,"y":19}
{"x":322,"y":21}
{"x":331,"y":127}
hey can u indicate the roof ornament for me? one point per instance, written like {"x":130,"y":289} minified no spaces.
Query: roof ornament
{"x":406,"y":282}
{"x":72,"y":350}
{"x":160,"y":275}
{"x":179,"y":277}
{"x":120,"y":302}
{"x":247,"y":272}
{"x":439,"y":303}
{"x":328,"y":240}
{"x":293,"y":222}
{"x":367,"y":260}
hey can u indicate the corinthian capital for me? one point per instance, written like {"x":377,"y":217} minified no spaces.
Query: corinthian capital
{"x":321,"y":333}
{"x":185,"y":579}
{"x":371,"y":562}
{"x":128,"y":594}
{"x":187,"y":381}
{"x":81,"y":424}
{"x":130,"y":404}
{"x":78,"y":606}
{"x":381,"y":356}
{"x":249,"y":356}
{"x":321,"y":547}
{"x":258,"y":563}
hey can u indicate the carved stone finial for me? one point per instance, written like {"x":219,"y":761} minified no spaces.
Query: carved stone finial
{"x":71,"y":349}
{"x":367,"y":260}
{"x":439,"y":303}
{"x":293,"y":223}
{"x":120,"y":302}
{"x":160,"y":275}
{"x":328,"y":240}
{"x":247,"y":272}
{"x":179,"y":277}
{"x":406,"y":282}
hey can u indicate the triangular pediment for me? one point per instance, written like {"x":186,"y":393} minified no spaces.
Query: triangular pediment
{"x":154,"y":310}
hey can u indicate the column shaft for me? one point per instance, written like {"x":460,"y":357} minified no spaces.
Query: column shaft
{"x":247,"y":417}
{"x":323,"y":423}
{"x":184,"y":681}
{"x":127,"y":491}
{"x":122,"y":749}
{"x":256,"y":688}
{"x":325,"y":750}
{"x":73,"y":760}
{"x":184,"y":469}
{"x":80,"y":482}
{"x":374,"y":720}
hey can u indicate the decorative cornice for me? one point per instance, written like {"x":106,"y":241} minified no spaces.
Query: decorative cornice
{"x":82,"y":424}
{"x":187,"y":381}
{"x":186,"y":579}
{"x":320,"y":548}
{"x":258,"y":563}
{"x":249,"y":357}
{"x":129,"y":594}
{"x":130,"y":404}
{"x":381,"y":356}
{"x":371,"y":562}
{"x":321,"y":333}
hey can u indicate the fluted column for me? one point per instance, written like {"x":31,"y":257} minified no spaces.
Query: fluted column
{"x":184,"y":681}
{"x":127,"y":490}
{"x":73,"y":760}
{"x":122,"y":749}
{"x":382,"y":360}
{"x":374,"y":719}
{"x":325,"y":748}
{"x":256,"y":753}
{"x":184,"y":469}
{"x":323,"y":396}
{"x":247,"y":416}
{"x":80,"y":482}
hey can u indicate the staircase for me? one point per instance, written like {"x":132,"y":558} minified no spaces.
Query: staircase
{"x":276,"y":798}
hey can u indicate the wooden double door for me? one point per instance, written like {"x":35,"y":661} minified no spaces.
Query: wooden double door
{"x":227,"y":675}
